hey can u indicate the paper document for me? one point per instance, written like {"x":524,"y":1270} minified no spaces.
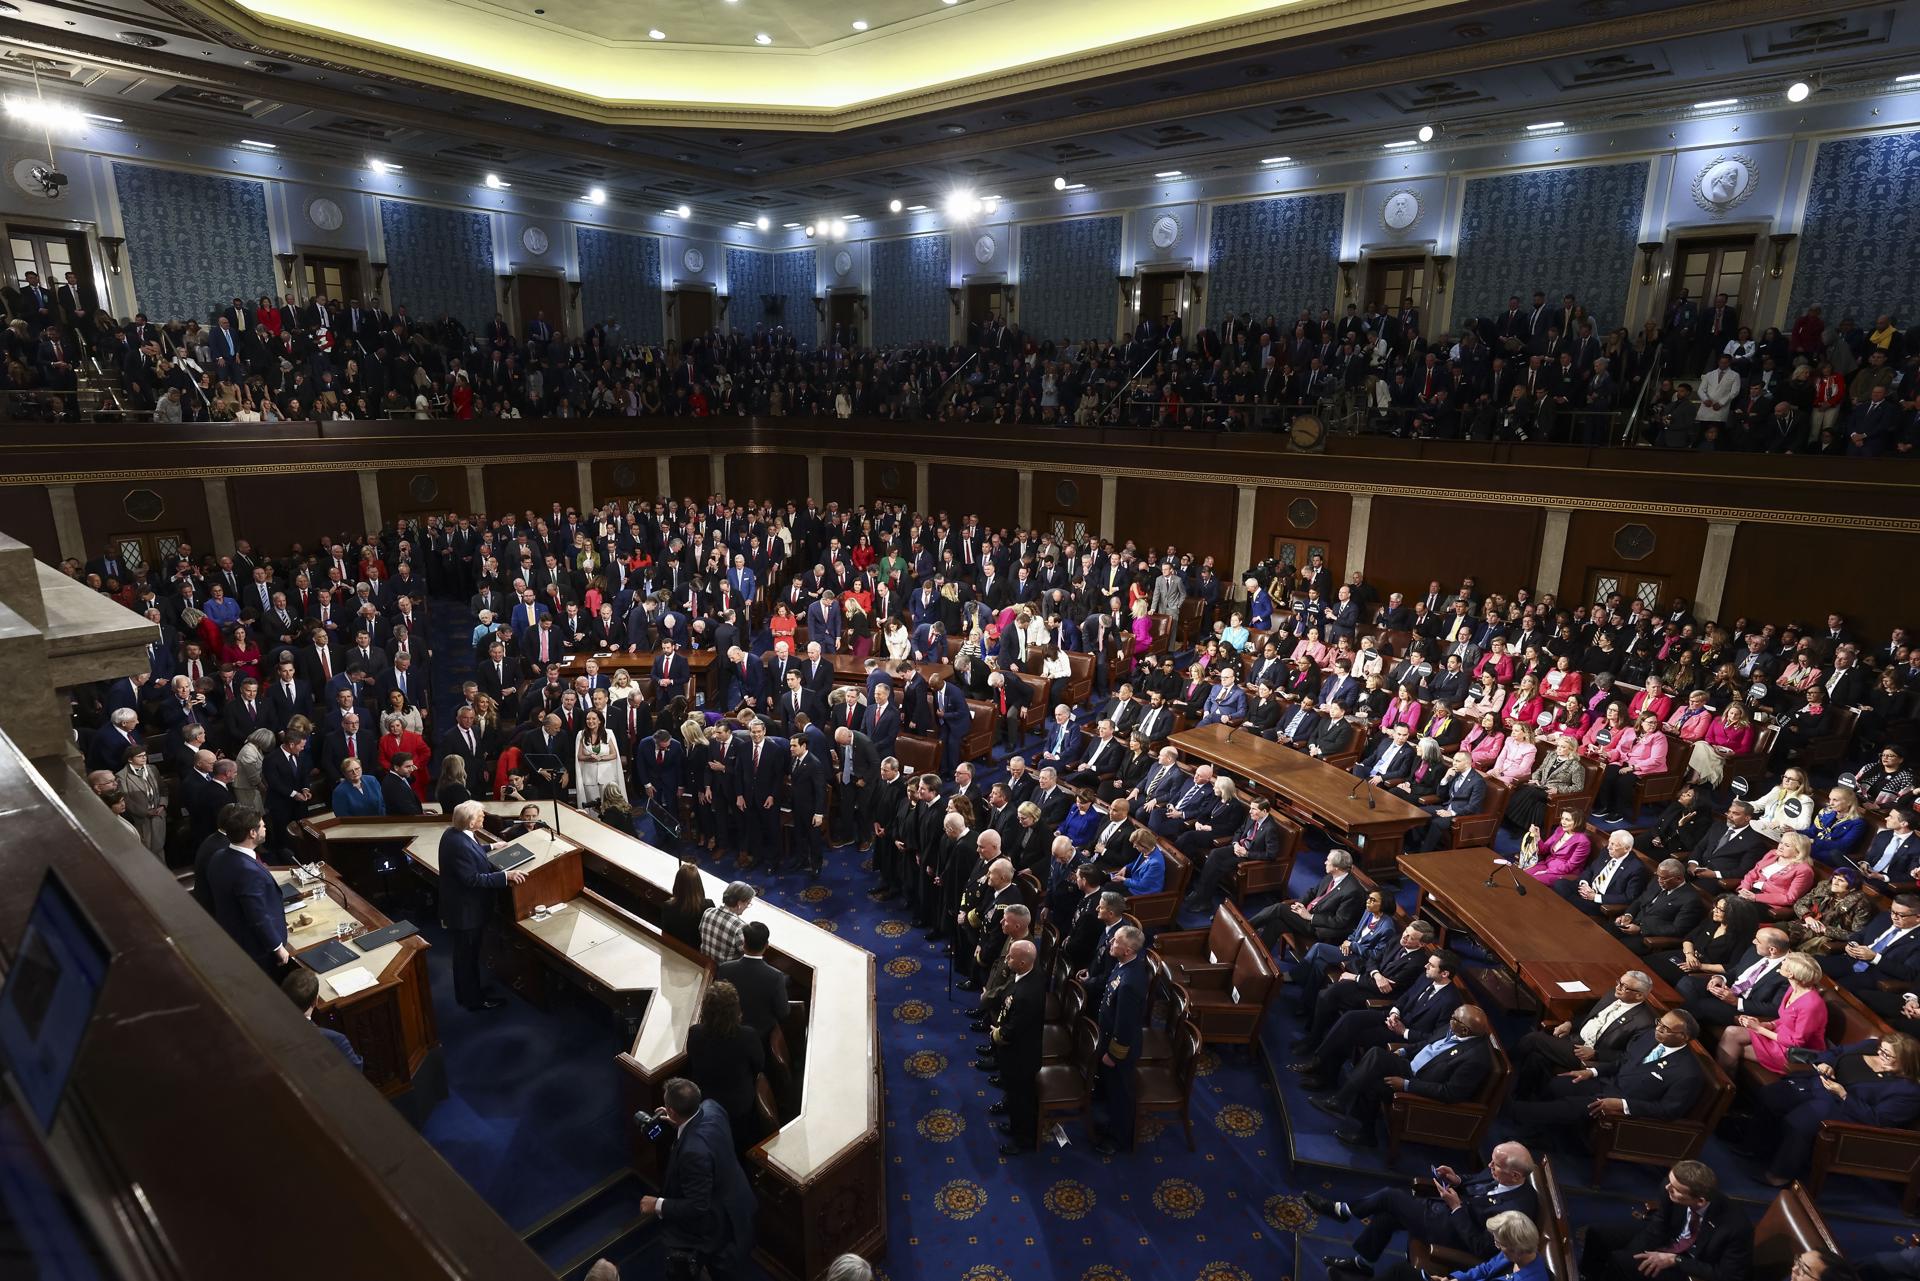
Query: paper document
{"x":347,"y":982}
{"x":1574,"y":989}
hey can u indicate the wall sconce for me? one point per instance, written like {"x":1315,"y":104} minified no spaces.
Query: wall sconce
{"x":1197,"y":288}
{"x":1126,"y":289}
{"x":112,"y":245}
{"x":1779,"y":240}
{"x":953,"y":296}
{"x":820,"y":309}
{"x":1347,"y":267}
{"x":506,"y":288}
{"x":286,"y":262}
{"x":1649,"y":250}
{"x":1440,"y":264}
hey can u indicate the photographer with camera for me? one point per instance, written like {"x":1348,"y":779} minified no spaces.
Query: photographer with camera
{"x":706,"y":1206}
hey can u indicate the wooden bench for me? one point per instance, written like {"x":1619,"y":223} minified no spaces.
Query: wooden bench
{"x":1791,"y":1226}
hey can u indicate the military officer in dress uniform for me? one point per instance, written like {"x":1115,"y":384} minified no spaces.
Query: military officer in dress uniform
{"x":1123,"y":1016}
{"x":1017,"y":1038}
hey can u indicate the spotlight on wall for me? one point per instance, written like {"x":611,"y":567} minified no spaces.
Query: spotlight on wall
{"x":494,"y":183}
{"x":894,"y":206}
{"x":683,"y":211}
{"x":46,"y":114}
{"x":1798,"y":91}
{"x":763,"y":222}
{"x":837,"y":229}
{"x":382,"y":166}
{"x":597,"y":195}
{"x":1060,"y":182}
{"x":1425,"y":134}
{"x":811,"y":230}
{"x":990,"y":204}
{"x":762,"y":38}
{"x":962,"y":205}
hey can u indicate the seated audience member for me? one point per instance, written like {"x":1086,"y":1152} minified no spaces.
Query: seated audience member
{"x":1694,"y":1231}
{"x":1867,"y":1083}
{"x":1654,"y":1076}
{"x":1327,"y":914}
{"x":1459,"y":1214}
{"x":1449,"y":1067}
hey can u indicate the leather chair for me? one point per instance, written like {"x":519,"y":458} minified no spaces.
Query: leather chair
{"x":1461,"y":1126}
{"x":1658,"y":789}
{"x":1038,"y":711}
{"x":1163,"y":1018}
{"x":1077,"y":689}
{"x":1832,"y":745}
{"x":1162,"y":634}
{"x":1478,"y":828}
{"x":1168,"y":1086}
{"x":983,"y":733}
{"x":1580,"y":802}
{"x":1653,"y":1142}
{"x":1270,"y":875}
{"x":1066,"y":1088}
{"x":1791,"y":1226}
{"x":918,"y":753}
{"x":1229,"y":1004}
{"x":1056,"y":1037}
{"x":1193,"y":954}
{"x":1752,"y":765}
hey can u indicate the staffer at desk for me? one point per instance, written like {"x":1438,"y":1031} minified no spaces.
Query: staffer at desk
{"x":303,"y":989}
{"x":245,"y":899}
{"x":465,"y":879}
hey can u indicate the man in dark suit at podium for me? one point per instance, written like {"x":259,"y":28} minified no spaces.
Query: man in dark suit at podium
{"x":705,"y":1204}
{"x":466,"y":877}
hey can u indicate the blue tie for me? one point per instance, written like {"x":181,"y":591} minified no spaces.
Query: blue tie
{"x":1434,"y":1051}
{"x":1654,"y":1055}
{"x":1860,"y":967}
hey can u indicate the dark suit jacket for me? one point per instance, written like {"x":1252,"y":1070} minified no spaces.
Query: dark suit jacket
{"x":1337,"y":912}
{"x":1456,"y":1073}
{"x":809,"y":781}
{"x":1739,"y":855}
{"x":1613,"y":1042}
{"x":1332,"y":737}
{"x":1722,"y":1247}
{"x":246,"y":903}
{"x":1663,"y":1091}
{"x":763,"y":992}
{"x":466,"y":880}
{"x":1400,"y":768}
{"x":1667,"y":913}
{"x":707,"y":1206}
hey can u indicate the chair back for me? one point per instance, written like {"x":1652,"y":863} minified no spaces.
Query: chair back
{"x":1186,"y":1055}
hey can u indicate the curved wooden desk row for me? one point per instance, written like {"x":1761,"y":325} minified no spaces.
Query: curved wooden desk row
{"x":821,"y":1177}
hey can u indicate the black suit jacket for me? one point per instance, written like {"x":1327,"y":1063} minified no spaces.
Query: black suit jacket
{"x":1336,"y":914}
{"x":1722,"y":1244}
{"x":763,"y":992}
{"x":1663,"y":1090}
{"x":1736,"y":857}
{"x":1667,"y":913}
{"x":1456,"y":1073}
{"x":1332,"y":737}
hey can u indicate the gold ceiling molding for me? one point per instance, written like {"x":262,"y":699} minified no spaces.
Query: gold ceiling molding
{"x":1430,"y":493}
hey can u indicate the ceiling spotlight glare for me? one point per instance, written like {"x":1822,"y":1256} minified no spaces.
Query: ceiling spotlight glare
{"x":838,"y":228}
{"x":493,"y":181}
{"x":990,"y":204}
{"x":597,"y":196}
{"x":1426,"y":133}
{"x":763,"y":222}
{"x":960,"y":204}
{"x":762,"y":38}
{"x":1060,"y":182}
{"x":811,"y":229}
{"x":1798,"y":91}
{"x":893,"y":206}
{"x":656,"y":34}
{"x":684,"y":211}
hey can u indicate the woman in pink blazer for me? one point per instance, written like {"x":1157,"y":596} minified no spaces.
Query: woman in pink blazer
{"x":1484,"y":741}
{"x":1690,"y":723}
{"x":1642,"y":750}
{"x":1779,"y":879}
{"x":1653,"y":699}
{"x":1514,"y":765}
{"x":1565,"y":853}
{"x":1801,"y":1022}
{"x":1405,"y":710}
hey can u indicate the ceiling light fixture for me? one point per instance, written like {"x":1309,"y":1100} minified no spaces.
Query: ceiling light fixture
{"x":1425,"y":133}
{"x":1276,"y":160}
{"x":916,"y":208}
{"x":1798,"y":91}
{"x":859,"y":24}
{"x":790,"y":226}
{"x":683,"y":211}
{"x":382,"y":166}
{"x":1545,"y":125}
{"x":990,"y":204}
{"x":893,"y":206}
{"x":107,"y":120}
{"x":1715,"y":102}
{"x":1060,"y":182}
{"x":811,"y":229}
{"x":1404,"y":142}
{"x":255,"y":142}
{"x":742,"y":222}
{"x":1168,"y":173}
{"x":763,"y":38}
{"x":837,"y":228}
{"x":656,"y":34}
{"x":763,"y":222}
{"x":596,"y":195}
{"x":46,"y":114}
{"x":1907,"y":79}
{"x":493,"y":181}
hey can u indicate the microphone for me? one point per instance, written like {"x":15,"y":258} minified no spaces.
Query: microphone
{"x":1355,"y":790}
{"x":1372,"y":792}
{"x":1232,"y":730}
{"x":1498,"y":863}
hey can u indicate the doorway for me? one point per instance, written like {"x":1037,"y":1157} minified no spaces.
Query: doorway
{"x":1712,"y":265}
{"x":1391,"y":281}
{"x":148,"y":549}
{"x":693,"y":312}
{"x":1159,"y":297}
{"x":1602,"y":583}
{"x":51,"y":253}
{"x":843,"y":314}
{"x":336,"y":279}
{"x":1291,"y":553}
{"x":1068,"y":529}
{"x":537,"y":296}
{"x":985,"y":305}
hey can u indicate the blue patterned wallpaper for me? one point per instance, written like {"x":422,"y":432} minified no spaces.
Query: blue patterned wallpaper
{"x":1559,"y":230}
{"x":193,"y":240}
{"x":1066,"y":278}
{"x":1274,"y":256}
{"x":441,"y":261}
{"x":910,"y":290}
{"x":1860,"y":239}
{"x":620,"y":284}
{"x":754,"y":272}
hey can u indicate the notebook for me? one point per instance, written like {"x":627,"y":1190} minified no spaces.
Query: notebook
{"x":508,"y":857}
{"x":330,"y":955}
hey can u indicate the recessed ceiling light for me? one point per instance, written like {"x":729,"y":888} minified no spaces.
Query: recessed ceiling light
{"x":597,"y":196}
{"x":811,"y":229}
{"x":1798,"y":91}
{"x":109,"y":120}
{"x":763,"y":38}
{"x":656,"y":34}
{"x":893,"y":206}
{"x":1059,"y":182}
{"x":255,"y":142}
{"x":1169,"y":173}
{"x":1076,"y":186}
{"x":1715,"y":102}
{"x":1404,"y":142}
{"x":763,"y":222}
{"x":382,"y":166}
{"x":1424,"y":133}
{"x":1907,"y":79}
{"x":859,"y":24}
{"x":791,"y":226}
{"x":1276,"y":160}
{"x":1547,"y":124}
{"x":683,"y":211}
{"x":916,"y":208}
{"x":493,"y":181}
{"x":837,"y":228}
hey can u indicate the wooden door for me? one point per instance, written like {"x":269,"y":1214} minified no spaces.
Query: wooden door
{"x":693,"y":313}
{"x":50,"y":253}
{"x":1392,"y":281}
{"x":1292,"y":553}
{"x":1069,"y":528}
{"x":1159,"y":297}
{"x":148,"y":549}
{"x":985,"y":304}
{"x":1712,"y":265}
{"x":1602,"y":583}
{"x":843,"y":314}
{"x":538,"y":296}
{"x":335,"y":279}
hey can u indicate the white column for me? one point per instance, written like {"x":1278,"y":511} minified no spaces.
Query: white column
{"x":476,"y":488}
{"x":920,"y":488}
{"x":1713,"y":569}
{"x":1025,"y":515}
{"x":370,"y":498}
{"x":1553,"y":551}
{"x":859,"y":482}
{"x":717,"y":472}
{"x":817,"y":479}
{"x":1357,"y":527}
{"x":583,"y":471}
{"x":219,"y":514}
{"x":66,"y":522}
{"x":1109,"y":498}
{"x":663,"y":475}
{"x":1242,"y":535}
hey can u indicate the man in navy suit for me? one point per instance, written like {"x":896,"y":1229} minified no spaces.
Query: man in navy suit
{"x":1421,"y":1010}
{"x":880,"y":720}
{"x":1390,"y":759}
{"x":1615,"y":879}
{"x":1123,"y":1017}
{"x":1060,"y":740}
{"x":1257,"y":840}
{"x":670,"y":674}
{"x":953,"y":717}
{"x":1450,"y":1067}
{"x":1195,"y":803}
{"x":245,"y":898}
{"x":1462,"y":790}
{"x":705,"y":1206}
{"x":1888,"y":948}
{"x":1656,"y":1076}
{"x":1010,"y":696}
{"x":762,"y":769}
{"x":808,"y":782}
{"x":1456,"y":1216}
{"x":466,"y":881}
{"x":745,"y":680}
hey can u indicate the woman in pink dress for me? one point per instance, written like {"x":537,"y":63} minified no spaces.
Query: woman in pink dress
{"x":1800,"y":1024}
{"x":1142,"y":631}
{"x":1779,"y":879}
{"x":1565,"y":853}
{"x":1405,"y":710}
{"x":1311,"y":648}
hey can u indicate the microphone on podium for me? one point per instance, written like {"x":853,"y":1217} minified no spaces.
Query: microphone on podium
{"x":1518,"y":887}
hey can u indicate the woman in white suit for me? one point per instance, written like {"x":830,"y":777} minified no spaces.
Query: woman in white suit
{"x":596,"y":759}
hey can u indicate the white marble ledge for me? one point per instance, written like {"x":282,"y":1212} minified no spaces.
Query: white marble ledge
{"x":89,"y":637}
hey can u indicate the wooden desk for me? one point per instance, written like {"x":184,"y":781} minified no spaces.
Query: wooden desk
{"x":821,"y":1179}
{"x":1545,"y":940}
{"x":698,"y":661}
{"x":1376,"y":832}
{"x":391,"y":1023}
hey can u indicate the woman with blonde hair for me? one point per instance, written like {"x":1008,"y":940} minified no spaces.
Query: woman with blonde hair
{"x":1838,"y":829}
{"x":1730,"y":734}
{"x":699,"y":749}
{"x":1800,"y":1023}
{"x":1778,"y":880}
{"x":1789,"y":807}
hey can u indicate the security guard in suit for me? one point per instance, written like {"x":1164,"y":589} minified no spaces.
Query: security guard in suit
{"x":1123,"y":1017}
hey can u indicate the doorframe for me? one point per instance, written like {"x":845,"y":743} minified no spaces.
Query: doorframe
{"x":362,"y":265}
{"x":967,"y":284}
{"x":670,"y":297}
{"x":1655,"y":294}
{"x":550,"y":273}
{"x":1182,"y":267}
{"x":859,"y":296}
